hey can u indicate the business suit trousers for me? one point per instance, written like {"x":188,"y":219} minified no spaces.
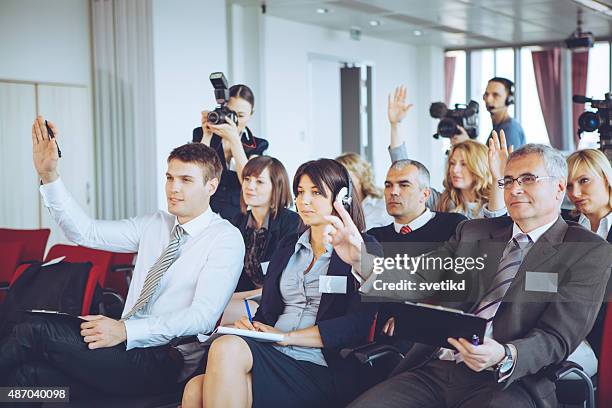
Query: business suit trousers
{"x":443,"y":384}
{"x":50,"y":351}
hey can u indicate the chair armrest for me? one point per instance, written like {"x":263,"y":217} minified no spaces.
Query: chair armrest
{"x":122,"y":268}
{"x":370,"y":352}
{"x":557,"y":372}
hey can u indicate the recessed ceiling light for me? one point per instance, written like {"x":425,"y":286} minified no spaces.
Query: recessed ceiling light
{"x":322,"y":10}
{"x":374,"y":23}
{"x":418,"y":33}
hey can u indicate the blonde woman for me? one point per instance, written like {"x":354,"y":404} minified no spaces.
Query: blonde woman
{"x":589,"y":188}
{"x":472,"y":171}
{"x":372,"y":200}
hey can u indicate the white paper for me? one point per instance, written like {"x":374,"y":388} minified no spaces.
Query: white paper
{"x":256,"y":335}
{"x":54,"y":261}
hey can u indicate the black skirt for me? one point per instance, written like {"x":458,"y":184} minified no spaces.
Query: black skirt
{"x":281,"y":381}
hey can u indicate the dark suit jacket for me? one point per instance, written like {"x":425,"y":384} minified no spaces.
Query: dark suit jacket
{"x":343,"y":320}
{"x":544,"y":327}
{"x":284,"y":224}
{"x":595,"y":336}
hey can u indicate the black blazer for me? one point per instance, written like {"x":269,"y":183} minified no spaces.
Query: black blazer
{"x":343,"y":320}
{"x":284,"y":224}
{"x":226,"y":200}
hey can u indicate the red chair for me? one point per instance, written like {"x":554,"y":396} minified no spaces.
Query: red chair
{"x":11,"y":254}
{"x":604,"y":369}
{"x":100,"y":260}
{"x":34,"y":242}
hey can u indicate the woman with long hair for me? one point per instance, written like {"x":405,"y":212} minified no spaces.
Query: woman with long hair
{"x":264,"y":221}
{"x":589,"y":188}
{"x":315,"y":318}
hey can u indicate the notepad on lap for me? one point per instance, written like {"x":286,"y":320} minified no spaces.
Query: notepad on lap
{"x":53,"y":313}
{"x":256,"y":335}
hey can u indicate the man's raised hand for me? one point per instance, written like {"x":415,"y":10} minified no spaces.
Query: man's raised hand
{"x":44,"y":150}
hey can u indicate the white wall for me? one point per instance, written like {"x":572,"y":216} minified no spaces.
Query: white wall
{"x":45,"y":41}
{"x":287,"y":46}
{"x":190,"y":42}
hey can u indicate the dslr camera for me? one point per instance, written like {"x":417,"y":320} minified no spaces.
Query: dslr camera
{"x":218,"y":115}
{"x":599,"y":120}
{"x":463,"y":115}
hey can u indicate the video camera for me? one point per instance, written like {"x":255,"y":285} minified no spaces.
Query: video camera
{"x":218,"y":115}
{"x":463,"y":115}
{"x":599,"y":120}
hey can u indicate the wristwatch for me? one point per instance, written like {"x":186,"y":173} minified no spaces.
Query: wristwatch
{"x":504,"y":366}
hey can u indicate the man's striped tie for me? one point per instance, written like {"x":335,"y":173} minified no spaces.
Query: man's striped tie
{"x":157,"y":271}
{"x":405,"y":230}
{"x":506,"y":272}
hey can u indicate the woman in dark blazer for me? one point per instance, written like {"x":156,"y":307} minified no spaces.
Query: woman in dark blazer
{"x":589,"y":188}
{"x":309,"y":296}
{"x":264,"y":221}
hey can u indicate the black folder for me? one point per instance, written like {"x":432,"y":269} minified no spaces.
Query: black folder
{"x":432,"y":325}
{"x":55,"y":313}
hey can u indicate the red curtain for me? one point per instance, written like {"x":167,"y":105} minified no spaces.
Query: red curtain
{"x":547,"y":70}
{"x":580,"y":63}
{"x":449,"y":77}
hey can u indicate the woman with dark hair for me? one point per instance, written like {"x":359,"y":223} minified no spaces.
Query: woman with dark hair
{"x":235,"y":144}
{"x":264,"y":221}
{"x":316,"y":318}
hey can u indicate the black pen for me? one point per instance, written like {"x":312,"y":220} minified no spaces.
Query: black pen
{"x":52,"y":136}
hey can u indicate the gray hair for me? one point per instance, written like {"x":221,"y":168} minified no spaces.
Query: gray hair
{"x":554,"y":162}
{"x":423,"y":172}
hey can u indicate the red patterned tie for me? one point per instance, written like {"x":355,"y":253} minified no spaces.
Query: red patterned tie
{"x":405,"y":230}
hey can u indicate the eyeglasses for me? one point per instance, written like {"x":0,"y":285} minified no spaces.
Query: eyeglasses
{"x":524,"y":179}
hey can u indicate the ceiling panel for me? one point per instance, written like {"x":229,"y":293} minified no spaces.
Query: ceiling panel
{"x":446,"y":23}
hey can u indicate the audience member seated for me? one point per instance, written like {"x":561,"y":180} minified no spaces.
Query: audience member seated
{"x":406,"y":192}
{"x":263,"y":222}
{"x":371,"y":196}
{"x":316,"y":316}
{"x":235,"y":144}
{"x":529,"y":328}
{"x":197,"y":253}
{"x":471,"y":172}
{"x":589,"y":187}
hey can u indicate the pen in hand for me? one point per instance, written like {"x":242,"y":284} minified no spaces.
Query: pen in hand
{"x":248,"y":310}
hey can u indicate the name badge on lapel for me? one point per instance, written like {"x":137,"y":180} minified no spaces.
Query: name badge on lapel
{"x":332,"y":284}
{"x":541,"y":282}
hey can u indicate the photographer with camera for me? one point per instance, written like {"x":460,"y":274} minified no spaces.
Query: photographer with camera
{"x":498,"y":96}
{"x":471,"y":170}
{"x":225,"y":131}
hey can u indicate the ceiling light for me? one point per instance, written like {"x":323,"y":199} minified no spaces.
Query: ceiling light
{"x":418,"y":33}
{"x":595,"y":5}
{"x":321,"y":10}
{"x":374,"y":23}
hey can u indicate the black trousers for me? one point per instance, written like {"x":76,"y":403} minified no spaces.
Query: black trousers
{"x":49,"y":351}
{"x":443,"y":384}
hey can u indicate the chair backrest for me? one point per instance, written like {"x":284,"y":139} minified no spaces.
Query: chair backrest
{"x":11,"y":254}
{"x":604,"y":369}
{"x":99,"y":259}
{"x":34,"y":242}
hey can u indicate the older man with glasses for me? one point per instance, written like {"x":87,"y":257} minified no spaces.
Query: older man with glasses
{"x":539,"y":291}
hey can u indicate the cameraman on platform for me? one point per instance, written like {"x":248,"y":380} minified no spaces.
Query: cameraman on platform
{"x":232,"y":140}
{"x":498,"y":96}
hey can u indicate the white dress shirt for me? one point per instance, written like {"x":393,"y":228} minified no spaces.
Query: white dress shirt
{"x":418,"y":222}
{"x":194,"y":290}
{"x":604,"y":225}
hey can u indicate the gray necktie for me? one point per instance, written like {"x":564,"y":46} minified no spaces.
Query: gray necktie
{"x":157,"y":271}
{"x":506,"y":272}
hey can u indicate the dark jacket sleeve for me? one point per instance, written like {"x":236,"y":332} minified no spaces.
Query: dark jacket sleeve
{"x":353,"y":327}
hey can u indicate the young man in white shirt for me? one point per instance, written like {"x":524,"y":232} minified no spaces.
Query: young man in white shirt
{"x":189,"y":262}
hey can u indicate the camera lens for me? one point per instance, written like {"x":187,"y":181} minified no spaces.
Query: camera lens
{"x":447,"y":128}
{"x":589,"y":121}
{"x":213,"y":117}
